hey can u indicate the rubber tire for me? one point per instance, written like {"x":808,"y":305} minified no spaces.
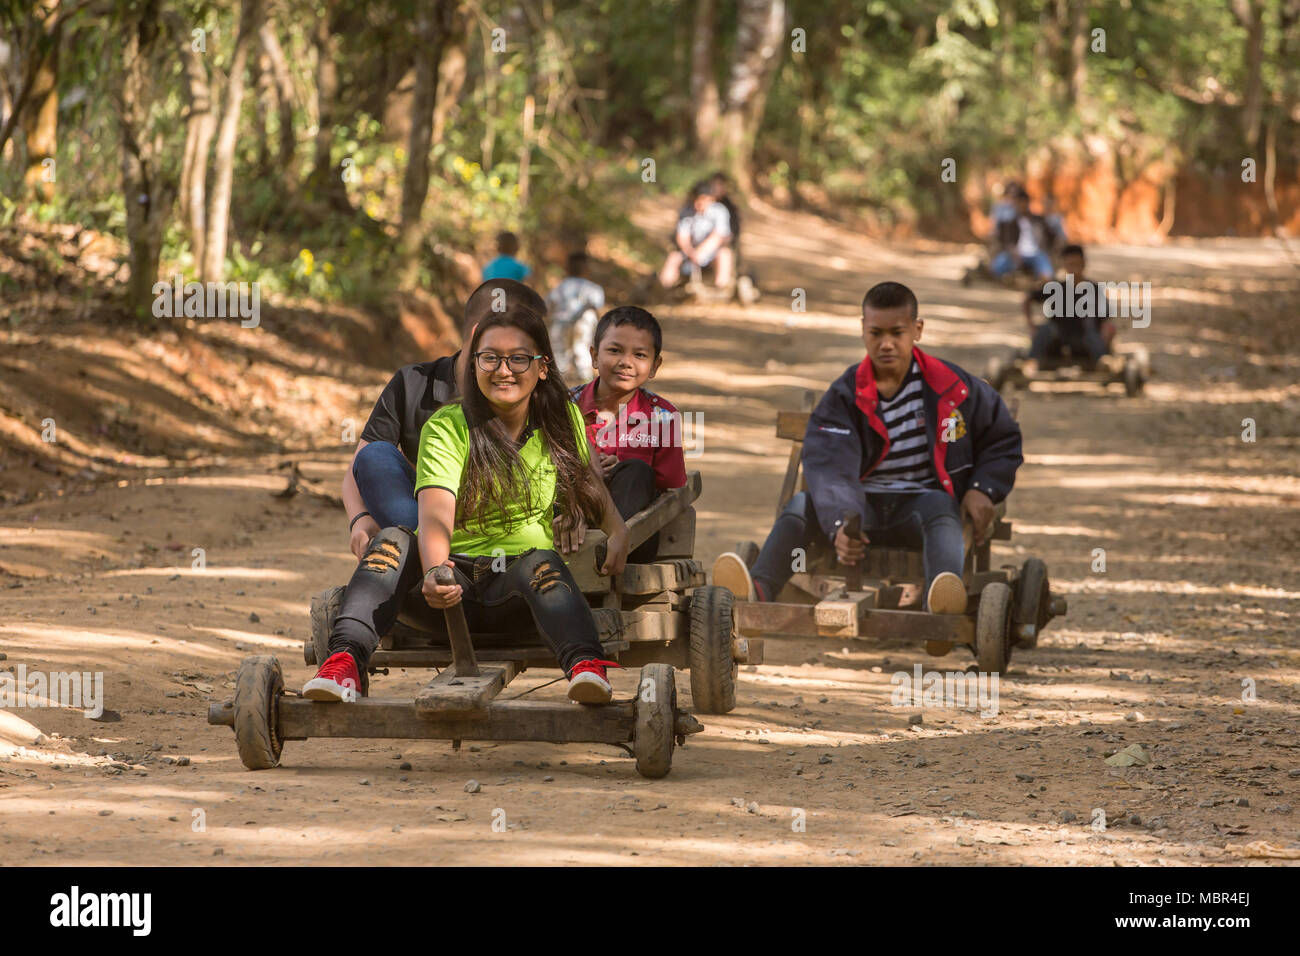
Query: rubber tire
{"x":746,"y":291}
{"x":1033,"y":594}
{"x":713,"y":669}
{"x":258,"y":688}
{"x":995,"y":372}
{"x":993,"y":628}
{"x":654,"y":731}
{"x":324,"y":609}
{"x":1133,"y":380}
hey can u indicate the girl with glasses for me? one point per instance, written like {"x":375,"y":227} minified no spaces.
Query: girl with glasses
{"x":498,"y":473}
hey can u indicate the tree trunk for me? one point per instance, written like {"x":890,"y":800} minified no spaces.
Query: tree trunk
{"x":200,"y":124}
{"x":148,"y":191}
{"x":40,"y":117}
{"x":759,"y":31}
{"x":431,"y":25}
{"x":1270,"y":176}
{"x":704,"y":82}
{"x":264,"y":106}
{"x":1078,"y":51}
{"x":327,"y":87}
{"x":1250,"y":14}
{"x":526,"y":152}
{"x":288,"y":158}
{"x":6,"y":101}
{"x":452,"y":71}
{"x":1168,"y":206}
{"x":214,"y":252}
{"x":491,"y":68}
{"x":1006,"y":42}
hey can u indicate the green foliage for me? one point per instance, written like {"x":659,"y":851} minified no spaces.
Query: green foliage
{"x":884,"y":93}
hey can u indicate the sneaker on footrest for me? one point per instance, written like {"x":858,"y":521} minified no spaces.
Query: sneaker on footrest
{"x":730,"y":572}
{"x":337,"y":679}
{"x":587,"y":682}
{"x":947,"y":594}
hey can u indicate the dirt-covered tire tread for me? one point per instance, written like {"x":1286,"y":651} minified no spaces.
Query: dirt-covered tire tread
{"x":712,"y":667}
{"x":655,"y":726}
{"x":324,"y":609}
{"x":258,"y":687}
{"x":992,"y":628}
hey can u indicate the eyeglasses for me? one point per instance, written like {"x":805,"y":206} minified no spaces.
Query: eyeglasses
{"x":490,"y":361}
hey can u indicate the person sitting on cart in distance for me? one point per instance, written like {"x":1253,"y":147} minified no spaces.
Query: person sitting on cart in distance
{"x":909,"y":443}
{"x":379,"y":486}
{"x":637,"y":433}
{"x":492,"y":470}
{"x":1023,"y":242}
{"x":1077,"y":313}
{"x":1054,"y":220}
{"x":1004,"y":209}
{"x":703,"y":229}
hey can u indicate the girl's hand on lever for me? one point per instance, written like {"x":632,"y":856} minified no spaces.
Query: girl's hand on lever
{"x":440,"y":595}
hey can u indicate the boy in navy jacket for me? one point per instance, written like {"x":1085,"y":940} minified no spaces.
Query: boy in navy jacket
{"x":910,"y":443}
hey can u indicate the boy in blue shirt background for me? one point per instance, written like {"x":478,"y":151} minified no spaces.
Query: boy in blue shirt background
{"x":505,"y":265}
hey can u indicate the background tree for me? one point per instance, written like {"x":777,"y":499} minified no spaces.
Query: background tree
{"x":223,"y":167}
{"x":149,"y":180}
{"x":760,"y":32}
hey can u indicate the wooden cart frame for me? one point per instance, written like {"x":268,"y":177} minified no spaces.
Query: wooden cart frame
{"x":657,"y":616}
{"x":1131,"y":369}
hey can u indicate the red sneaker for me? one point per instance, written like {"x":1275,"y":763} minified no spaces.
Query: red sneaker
{"x":587,"y":683}
{"x":337,"y":679}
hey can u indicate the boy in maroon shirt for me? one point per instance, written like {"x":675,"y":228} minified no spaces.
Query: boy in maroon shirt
{"x":637,"y":433}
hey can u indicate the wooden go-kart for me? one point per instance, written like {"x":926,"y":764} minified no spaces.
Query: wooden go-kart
{"x":1132,"y":369}
{"x":698,"y":286}
{"x":1023,"y":278}
{"x":882,"y":596}
{"x":657,"y":616}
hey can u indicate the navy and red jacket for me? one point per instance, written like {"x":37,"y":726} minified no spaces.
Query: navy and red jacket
{"x":975,"y":442}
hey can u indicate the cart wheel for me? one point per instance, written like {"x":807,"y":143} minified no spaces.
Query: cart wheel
{"x":258,"y":688}
{"x":713,"y":668}
{"x":1143,"y":358}
{"x":995,"y":372}
{"x":324,"y":609}
{"x":656,"y":716}
{"x":748,"y":551}
{"x":1134,"y":381}
{"x":1033,"y":596}
{"x":993,"y":628}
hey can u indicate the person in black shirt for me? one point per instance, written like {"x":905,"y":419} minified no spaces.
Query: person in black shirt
{"x":379,"y":487}
{"x":1077,"y":316}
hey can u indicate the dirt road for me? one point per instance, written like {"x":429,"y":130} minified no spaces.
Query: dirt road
{"x":1199,"y":602}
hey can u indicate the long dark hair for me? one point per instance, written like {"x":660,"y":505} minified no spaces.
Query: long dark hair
{"x":494,"y":477}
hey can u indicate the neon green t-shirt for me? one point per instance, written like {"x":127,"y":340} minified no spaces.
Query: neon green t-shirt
{"x":444,"y":449}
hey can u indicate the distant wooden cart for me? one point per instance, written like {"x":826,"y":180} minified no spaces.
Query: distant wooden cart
{"x":882,"y":597}
{"x":1131,"y":369}
{"x":656,"y":616}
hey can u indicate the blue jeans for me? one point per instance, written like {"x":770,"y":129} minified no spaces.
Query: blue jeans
{"x":1085,"y":342}
{"x":386,"y":481}
{"x":1040,"y":262}
{"x":534,"y":593}
{"x":929,"y":520}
